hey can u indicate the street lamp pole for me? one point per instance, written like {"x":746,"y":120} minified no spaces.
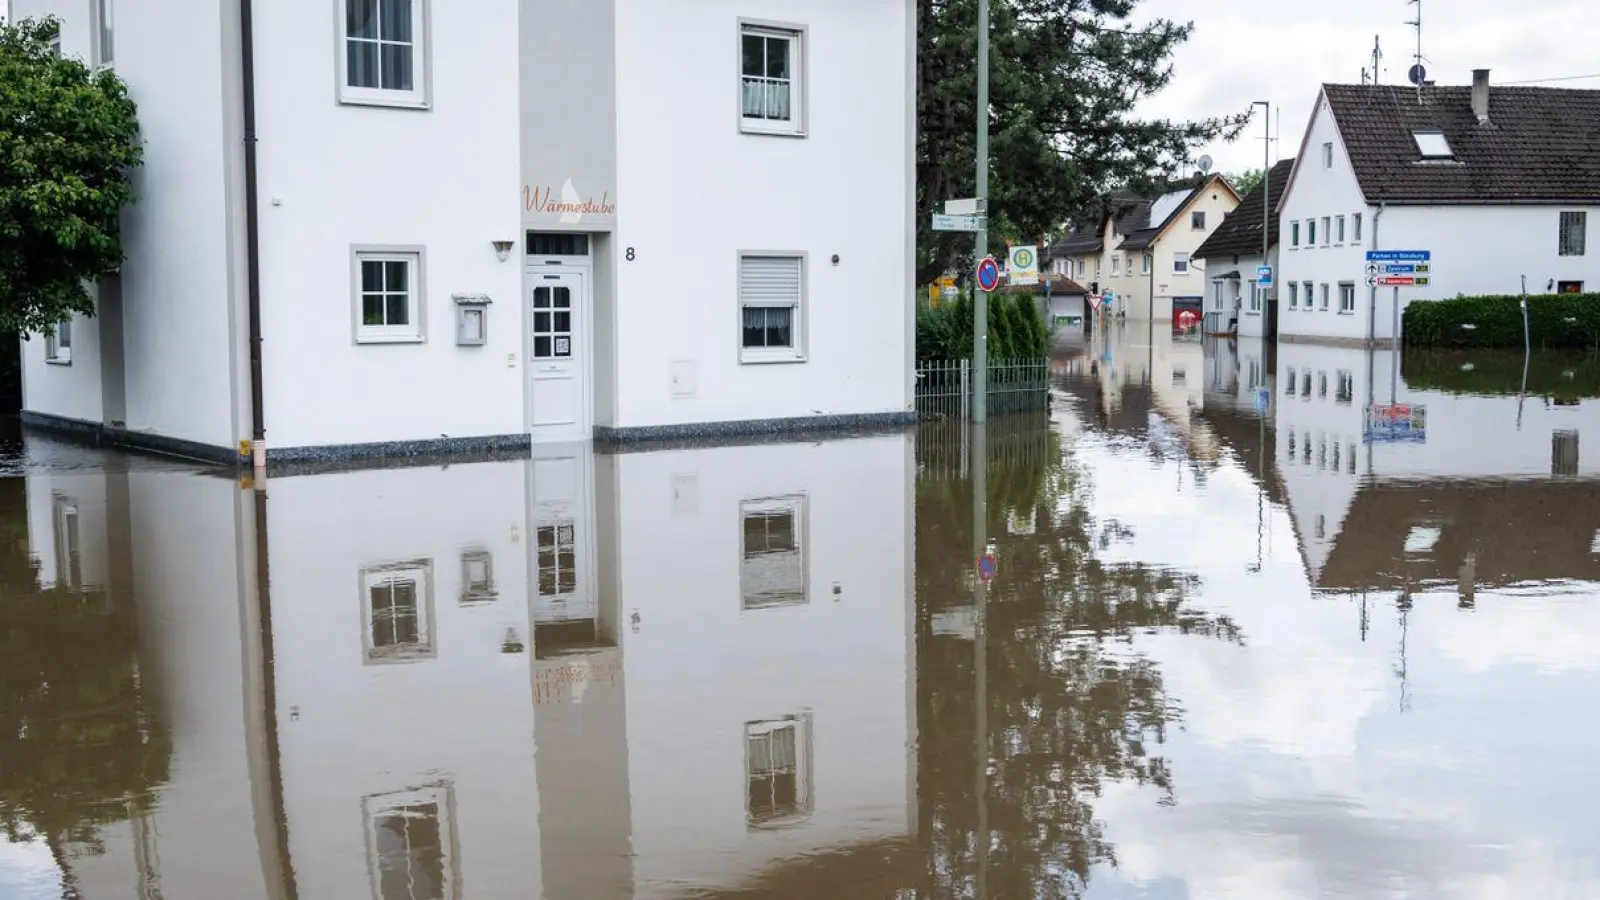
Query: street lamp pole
{"x":980,"y":299}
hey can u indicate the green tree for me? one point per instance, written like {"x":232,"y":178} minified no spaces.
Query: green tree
{"x":1065,"y":76}
{"x":69,"y":139}
{"x":1246,"y":181}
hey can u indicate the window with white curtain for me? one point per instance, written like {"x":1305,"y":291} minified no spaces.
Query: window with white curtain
{"x":777,"y":762}
{"x":771,"y":85}
{"x":383,"y":52}
{"x":771,"y":300}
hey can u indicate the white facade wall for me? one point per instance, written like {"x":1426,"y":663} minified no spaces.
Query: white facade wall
{"x":443,"y":179}
{"x":700,"y":666}
{"x":177,"y":294}
{"x":1222,"y":294}
{"x":1316,"y":192}
{"x":1487,"y":249}
{"x":694,"y":191}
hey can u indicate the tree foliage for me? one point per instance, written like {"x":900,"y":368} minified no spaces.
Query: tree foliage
{"x":69,"y":139}
{"x":1065,"y":77}
{"x":1246,"y":181}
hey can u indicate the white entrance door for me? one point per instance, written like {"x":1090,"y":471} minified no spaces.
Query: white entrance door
{"x":558,"y":356}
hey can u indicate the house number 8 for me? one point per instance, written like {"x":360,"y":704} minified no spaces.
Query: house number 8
{"x":629,"y":254}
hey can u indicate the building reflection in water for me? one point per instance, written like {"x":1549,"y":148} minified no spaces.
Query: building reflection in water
{"x":573,"y":676}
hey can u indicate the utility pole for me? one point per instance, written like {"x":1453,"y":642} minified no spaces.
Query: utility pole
{"x":1266,"y":196}
{"x":980,"y":300}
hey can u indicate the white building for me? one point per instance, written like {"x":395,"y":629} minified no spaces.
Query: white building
{"x":1236,"y":302}
{"x":1497,"y":184}
{"x":472,"y":226}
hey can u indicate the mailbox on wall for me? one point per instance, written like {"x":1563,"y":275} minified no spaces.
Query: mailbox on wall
{"x":472,"y":319}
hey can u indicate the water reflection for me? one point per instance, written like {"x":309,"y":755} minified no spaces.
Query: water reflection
{"x":1263,"y":623}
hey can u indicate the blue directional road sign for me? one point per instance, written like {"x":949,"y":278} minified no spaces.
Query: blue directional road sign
{"x":1399,"y":256}
{"x":1264,"y":276}
{"x":988,"y":274}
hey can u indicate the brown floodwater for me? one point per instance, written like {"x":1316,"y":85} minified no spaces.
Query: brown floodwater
{"x":1304,"y":623}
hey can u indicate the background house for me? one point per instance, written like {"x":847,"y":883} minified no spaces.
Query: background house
{"x":1497,"y":183}
{"x":1235,"y":302}
{"x":1143,"y":247}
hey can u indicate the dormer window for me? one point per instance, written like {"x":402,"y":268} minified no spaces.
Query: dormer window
{"x":1433,"y":145}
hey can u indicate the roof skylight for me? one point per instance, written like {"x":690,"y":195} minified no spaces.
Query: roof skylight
{"x":1432,"y":145}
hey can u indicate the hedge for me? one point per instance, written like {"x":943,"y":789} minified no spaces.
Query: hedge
{"x":1556,"y":373}
{"x":1016,"y":329}
{"x":1554,"y":320}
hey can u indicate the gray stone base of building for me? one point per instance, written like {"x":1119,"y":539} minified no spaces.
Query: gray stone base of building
{"x":1322,"y":340}
{"x":101,"y":435}
{"x":286,"y":461}
{"x":651,"y":437}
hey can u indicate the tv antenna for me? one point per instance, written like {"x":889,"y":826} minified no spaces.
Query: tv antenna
{"x":1377,"y":61}
{"x":1418,"y":73}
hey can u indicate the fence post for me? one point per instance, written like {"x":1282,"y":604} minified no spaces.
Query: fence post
{"x":966,"y":389}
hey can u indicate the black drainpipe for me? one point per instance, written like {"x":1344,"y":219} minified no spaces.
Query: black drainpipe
{"x":252,"y":231}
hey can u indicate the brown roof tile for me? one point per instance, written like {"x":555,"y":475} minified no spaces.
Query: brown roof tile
{"x":1540,"y":145}
{"x":1240,"y":233}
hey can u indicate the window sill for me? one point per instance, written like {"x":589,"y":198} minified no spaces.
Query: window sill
{"x":1252,"y":312}
{"x":770,"y":357}
{"x":1347,"y":312}
{"x":400,"y":100}
{"x":56,"y":361}
{"x":389,"y":339}
{"x":765,"y":129}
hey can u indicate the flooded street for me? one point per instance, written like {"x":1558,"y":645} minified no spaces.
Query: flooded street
{"x":1302,"y":623}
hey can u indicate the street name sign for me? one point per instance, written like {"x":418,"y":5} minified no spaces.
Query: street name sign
{"x":967,"y":207}
{"x":945,"y":222}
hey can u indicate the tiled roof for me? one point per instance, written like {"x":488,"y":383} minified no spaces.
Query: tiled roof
{"x":1077,"y":243}
{"x":1539,"y":145}
{"x":1240,"y":233}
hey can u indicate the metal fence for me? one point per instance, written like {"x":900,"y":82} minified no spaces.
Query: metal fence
{"x":944,"y":387}
{"x":1013,"y":443}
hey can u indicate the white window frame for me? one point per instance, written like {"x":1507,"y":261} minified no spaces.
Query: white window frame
{"x":1327,"y":230}
{"x":1572,"y":239}
{"x":1294,"y":295}
{"x":798,"y":38}
{"x":805,"y":794}
{"x":1144,"y":264}
{"x":796,"y":507}
{"x":1355,"y":228}
{"x":1347,"y":298}
{"x":1256,"y":293}
{"x":418,"y":97}
{"x":1310,"y":296}
{"x":1338,"y":230}
{"x":103,"y":34}
{"x":415,"y":331}
{"x":795,"y":353}
{"x":1294,"y":235}
{"x":56,"y":351}
{"x":1180,"y":263}
{"x":1116,"y":266}
{"x":441,"y":795}
{"x":1324,"y":298}
{"x":419,"y":571}
{"x":1327,"y":154}
{"x":1197,"y":219}
{"x":1311,"y":232}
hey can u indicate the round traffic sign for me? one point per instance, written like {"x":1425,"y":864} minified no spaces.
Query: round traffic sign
{"x":988,"y":274}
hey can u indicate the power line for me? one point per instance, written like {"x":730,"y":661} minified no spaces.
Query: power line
{"x":1548,"y":80}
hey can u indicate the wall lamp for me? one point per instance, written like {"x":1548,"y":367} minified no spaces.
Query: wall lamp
{"x":502,"y":249}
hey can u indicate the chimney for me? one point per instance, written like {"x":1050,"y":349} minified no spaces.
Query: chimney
{"x":1480,"y":95}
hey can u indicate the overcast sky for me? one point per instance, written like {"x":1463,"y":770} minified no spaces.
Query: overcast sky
{"x":1284,"y":51}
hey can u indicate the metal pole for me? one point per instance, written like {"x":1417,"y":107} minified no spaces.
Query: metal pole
{"x":1394,"y":378}
{"x":980,"y":302}
{"x":980,"y":589}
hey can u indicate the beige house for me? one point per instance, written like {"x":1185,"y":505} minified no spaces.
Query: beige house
{"x":1142,"y":247}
